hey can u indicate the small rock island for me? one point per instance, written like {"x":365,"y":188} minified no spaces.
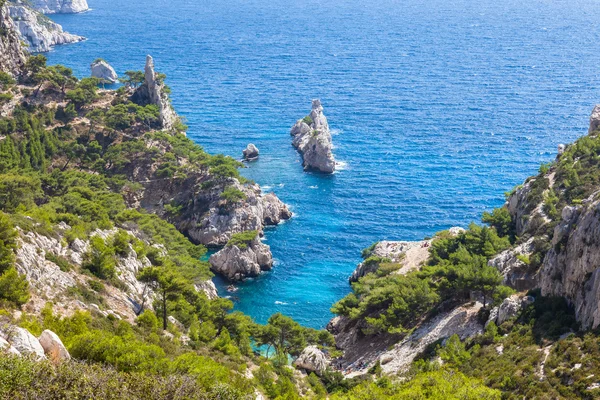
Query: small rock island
{"x":311,"y":137}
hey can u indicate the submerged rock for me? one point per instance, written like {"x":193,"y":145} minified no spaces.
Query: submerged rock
{"x":239,"y":261}
{"x":312,"y":138}
{"x":60,"y":6}
{"x":104,"y":71}
{"x":250,"y":153}
{"x":152,"y":91}
{"x":312,"y":359}
{"x":40,"y":33}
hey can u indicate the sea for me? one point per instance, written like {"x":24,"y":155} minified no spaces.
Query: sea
{"x":437,"y":109}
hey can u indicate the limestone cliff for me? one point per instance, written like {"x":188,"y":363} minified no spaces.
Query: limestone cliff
{"x":60,"y":6}
{"x":37,"y":30}
{"x":12,"y":56}
{"x":312,"y":138}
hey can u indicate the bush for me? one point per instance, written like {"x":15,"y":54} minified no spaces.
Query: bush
{"x":232,"y":195}
{"x":242,"y":239}
{"x":14,"y":287}
{"x":99,"y":260}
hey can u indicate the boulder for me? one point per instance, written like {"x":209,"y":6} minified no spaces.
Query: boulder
{"x":25,"y":343}
{"x":312,"y":138}
{"x":509,"y":308}
{"x":312,"y":359}
{"x":176,"y":323}
{"x":237,"y":262}
{"x":5,"y":346}
{"x":104,"y":71}
{"x":208,"y":288}
{"x":516,"y":273}
{"x":53,"y":347}
{"x":250,"y":152}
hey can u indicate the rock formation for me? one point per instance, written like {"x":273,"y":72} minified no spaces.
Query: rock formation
{"x":53,"y":347}
{"x":8,"y":348}
{"x":24,"y":342}
{"x":39,"y":31}
{"x":60,"y":6}
{"x":237,"y":262}
{"x":152,"y":91}
{"x":509,"y":308}
{"x":250,"y":153}
{"x":312,"y":138}
{"x":572,"y":265}
{"x":208,"y":288}
{"x":409,"y":255}
{"x":517,"y":274}
{"x":594,"y":119}
{"x":104,"y":71}
{"x":313,"y":360}
{"x":12,"y":56}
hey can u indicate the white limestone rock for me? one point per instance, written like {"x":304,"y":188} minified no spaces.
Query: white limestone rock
{"x":60,"y":6}
{"x":312,"y":138}
{"x":239,"y":262}
{"x":104,"y":71}
{"x":250,"y":153}
{"x":7,"y":347}
{"x":41,"y":33}
{"x":208,"y":288}
{"x":312,"y":359}
{"x":25,"y":343}
{"x":594,"y":119}
{"x":12,"y":56}
{"x":516,"y":273}
{"x":152,"y":91}
{"x":53,"y":347}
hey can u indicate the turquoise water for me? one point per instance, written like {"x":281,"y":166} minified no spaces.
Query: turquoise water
{"x":438,"y":109}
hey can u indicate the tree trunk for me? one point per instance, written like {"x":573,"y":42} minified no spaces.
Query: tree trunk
{"x":165,"y":310}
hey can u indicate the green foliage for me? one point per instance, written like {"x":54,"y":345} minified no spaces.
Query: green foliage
{"x":501,"y":220}
{"x":100,"y":259}
{"x":457,"y":266}
{"x":308,"y":120}
{"x":14,"y":287}
{"x":242,"y":239}
{"x":232,"y":195}
{"x":84,"y":93}
{"x":132,"y":78}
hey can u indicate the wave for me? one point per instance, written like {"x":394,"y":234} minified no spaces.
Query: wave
{"x":282,"y":303}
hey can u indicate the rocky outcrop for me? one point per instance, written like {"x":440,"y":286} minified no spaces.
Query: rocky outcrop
{"x":208,"y":288}
{"x":104,"y":71}
{"x":24,"y":342}
{"x":526,"y":204}
{"x":312,"y":359}
{"x":250,"y":153}
{"x":409,"y":256}
{"x":571,"y":267}
{"x":594,"y":119}
{"x":152,"y":91}
{"x":12,"y":56}
{"x":60,"y":6}
{"x":38,"y":31}
{"x":510,"y":308}
{"x":515,"y":272}
{"x":53,"y":347}
{"x":8,"y":348}
{"x":312,"y":138}
{"x":236,"y":262}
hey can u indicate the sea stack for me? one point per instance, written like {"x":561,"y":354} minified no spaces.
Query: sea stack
{"x":104,"y":71}
{"x":250,"y":153}
{"x":311,"y":137}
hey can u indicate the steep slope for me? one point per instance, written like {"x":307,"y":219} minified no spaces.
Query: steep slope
{"x":12,"y":56}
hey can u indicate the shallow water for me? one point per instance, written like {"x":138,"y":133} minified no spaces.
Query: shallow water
{"x":439,"y":108}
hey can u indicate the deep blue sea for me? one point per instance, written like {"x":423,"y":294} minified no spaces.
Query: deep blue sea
{"x":438,"y":108}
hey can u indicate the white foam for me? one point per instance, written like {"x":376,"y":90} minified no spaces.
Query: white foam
{"x":266,"y":188}
{"x":313,"y":187}
{"x":281,"y":303}
{"x":341,"y":166}
{"x":336,"y":131}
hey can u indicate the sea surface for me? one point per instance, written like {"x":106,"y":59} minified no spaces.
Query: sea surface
{"x":437,"y":109}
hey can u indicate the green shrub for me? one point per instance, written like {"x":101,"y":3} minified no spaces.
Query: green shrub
{"x":14,"y":287}
{"x":308,"y":120}
{"x":242,"y":239}
{"x":232,"y":195}
{"x":99,"y":260}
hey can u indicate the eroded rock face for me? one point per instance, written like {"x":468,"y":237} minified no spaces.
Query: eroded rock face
{"x":312,"y":359}
{"x":38,"y":31}
{"x":53,"y":347}
{"x":208,"y":288}
{"x":571,"y":267}
{"x":237,"y":263}
{"x":529,"y":215}
{"x":60,"y":6}
{"x":515,"y":272}
{"x":510,"y":308}
{"x":250,"y":153}
{"x":594,"y":120}
{"x":312,"y":138}
{"x":152,"y":91}
{"x":12,"y":56}
{"x":104,"y":71}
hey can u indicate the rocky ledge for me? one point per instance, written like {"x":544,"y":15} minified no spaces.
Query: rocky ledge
{"x":312,"y":138}
{"x":244,"y":256}
{"x":60,"y":6}
{"x":37,"y":30}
